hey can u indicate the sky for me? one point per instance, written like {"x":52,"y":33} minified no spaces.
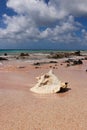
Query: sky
{"x":43,"y":24}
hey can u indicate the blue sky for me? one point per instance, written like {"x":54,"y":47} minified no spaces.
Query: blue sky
{"x":43,"y":24}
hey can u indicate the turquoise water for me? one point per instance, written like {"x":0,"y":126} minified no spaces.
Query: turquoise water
{"x":25,"y":51}
{"x":11,"y":51}
{"x":18,"y":51}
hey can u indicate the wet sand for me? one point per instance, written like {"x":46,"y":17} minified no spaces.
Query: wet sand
{"x":20,"y":109}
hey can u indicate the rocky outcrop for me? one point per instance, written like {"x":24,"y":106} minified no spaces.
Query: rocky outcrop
{"x":71,"y":62}
{"x":3,"y":58}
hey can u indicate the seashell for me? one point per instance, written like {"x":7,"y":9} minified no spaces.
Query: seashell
{"x":48,"y":83}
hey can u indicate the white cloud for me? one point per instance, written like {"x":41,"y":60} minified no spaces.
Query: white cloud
{"x":63,"y":32}
{"x":37,"y":10}
{"x":56,"y":18}
{"x":73,"y":7}
{"x":18,"y":27}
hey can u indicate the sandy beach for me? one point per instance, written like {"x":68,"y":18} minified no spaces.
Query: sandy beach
{"x":21,"y":109}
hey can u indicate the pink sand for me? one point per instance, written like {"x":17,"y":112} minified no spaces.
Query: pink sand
{"x":20,"y":109}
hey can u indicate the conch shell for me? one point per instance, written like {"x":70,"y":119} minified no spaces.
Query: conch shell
{"x":48,"y":83}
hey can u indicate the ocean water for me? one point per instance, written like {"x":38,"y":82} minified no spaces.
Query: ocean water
{"x":18,"y":51}
{"x":13,"y":51}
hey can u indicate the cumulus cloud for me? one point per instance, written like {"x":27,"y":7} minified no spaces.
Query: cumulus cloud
{"x":73,"y":7}
{"x":64,"y":32}
{"x":18,"y":27}
{"x":56,"y":19}
{"x":37,"y":10}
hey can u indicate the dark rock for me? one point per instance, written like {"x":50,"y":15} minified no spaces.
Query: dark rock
{"x":78,"y":53}
{"x":5,"y":54}
{"x":24,"y":54}
{"x":69,"y":60}
{"x":80,"y":61}
{"x":2,"y":58}
{"x":53,"y":62}
{"x":17,"y":58}
{"x":37,"y":67}
{"x":58,"y":55}
{"x":85,"y":58}
{"x":21,"y":67}
{"x":75,"y":62}
{"x":68,"y":65}
{"x":37,"y":63}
